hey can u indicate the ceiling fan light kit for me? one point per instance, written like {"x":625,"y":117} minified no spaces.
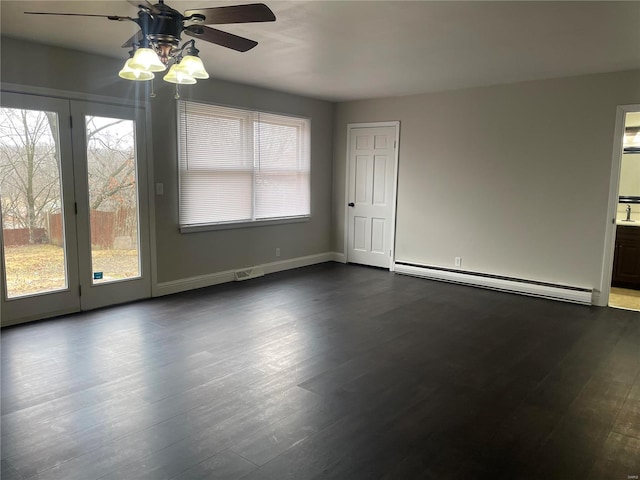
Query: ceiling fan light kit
{"x":129,"y":73}
{"x":156,"y":46}
{"x":193,"y":66}
{"x":178,"y":75}
{"x":146,"y":60}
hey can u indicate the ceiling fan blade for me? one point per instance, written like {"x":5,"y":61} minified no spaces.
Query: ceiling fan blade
{"x":110,"y":17}
{"x":133,"y":40}
{"x":143,"y":4}
{"x":219,"y":37}
{"x":255,"y":12}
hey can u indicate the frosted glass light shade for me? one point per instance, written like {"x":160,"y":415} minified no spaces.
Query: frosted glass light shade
{"x":178,"y":75}
{"x":194,"y":67}
{"x":129,"y":73}
{"x":147,"y":60}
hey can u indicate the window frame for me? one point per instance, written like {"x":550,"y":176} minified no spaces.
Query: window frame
{"x":244,"y":223}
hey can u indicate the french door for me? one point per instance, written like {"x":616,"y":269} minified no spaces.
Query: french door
{"x":75,"y":231}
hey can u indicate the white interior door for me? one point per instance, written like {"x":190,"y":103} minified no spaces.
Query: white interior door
{"x":74,"y":206}
{"x":371,"y":195}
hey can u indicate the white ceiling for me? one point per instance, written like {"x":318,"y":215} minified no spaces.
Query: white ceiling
{"x":345,"y":50}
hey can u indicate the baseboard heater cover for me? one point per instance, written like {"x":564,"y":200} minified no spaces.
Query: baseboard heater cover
{"x":494,"y":282}
{"x":248,"y":273}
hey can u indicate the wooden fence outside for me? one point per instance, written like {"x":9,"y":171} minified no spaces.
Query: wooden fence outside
{"x":20,"y":236}
{"x":108,"y":229}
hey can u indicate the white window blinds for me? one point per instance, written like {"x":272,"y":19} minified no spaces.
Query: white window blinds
{"x":240,"y":165}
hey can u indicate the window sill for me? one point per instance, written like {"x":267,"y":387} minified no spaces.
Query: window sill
{"x":233,"y":225}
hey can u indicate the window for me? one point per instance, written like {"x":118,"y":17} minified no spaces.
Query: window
{"x":239,"y":166}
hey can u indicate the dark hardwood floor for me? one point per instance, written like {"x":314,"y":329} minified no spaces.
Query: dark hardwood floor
{"x":332,"y":372}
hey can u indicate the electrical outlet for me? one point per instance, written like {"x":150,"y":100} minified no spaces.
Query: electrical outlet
{"x":458,"y":261}
{"x":277,"y":252}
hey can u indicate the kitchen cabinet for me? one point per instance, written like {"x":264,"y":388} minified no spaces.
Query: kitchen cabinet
{"x":626,"y":260}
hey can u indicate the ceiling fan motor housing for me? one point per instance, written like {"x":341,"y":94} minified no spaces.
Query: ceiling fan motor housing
{"x":163,"y":29}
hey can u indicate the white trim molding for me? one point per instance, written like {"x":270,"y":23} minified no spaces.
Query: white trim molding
{"x":564,"y":293}
{"x":40,"y":316}
{"x":233,"y":225}
{"x":200,"y":281}
{"x":70,"y":95}
{"x":339,"y":257}
{"x":614,"y":187}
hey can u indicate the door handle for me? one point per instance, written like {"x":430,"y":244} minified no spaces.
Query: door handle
{"x":351,"y":204}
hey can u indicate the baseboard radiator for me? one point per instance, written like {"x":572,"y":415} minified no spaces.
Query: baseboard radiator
{"x":494,"y":282}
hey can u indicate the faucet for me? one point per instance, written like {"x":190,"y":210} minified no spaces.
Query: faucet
{"x":628,"y":219}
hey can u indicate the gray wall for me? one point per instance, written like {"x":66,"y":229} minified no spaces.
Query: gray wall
{"x":36,"y":65}
{"x":182,"y":256}
{"x":513,"y":178}
{"x":206,"y":252}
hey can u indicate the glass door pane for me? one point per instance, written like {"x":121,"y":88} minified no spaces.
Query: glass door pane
{"x":31,"y":200}
{"x":113,"y":198}
{"x":39,"y":251}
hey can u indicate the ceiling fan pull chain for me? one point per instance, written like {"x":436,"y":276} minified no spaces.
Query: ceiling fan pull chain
{"x":177,"y":95}
{"x":153,"y":93}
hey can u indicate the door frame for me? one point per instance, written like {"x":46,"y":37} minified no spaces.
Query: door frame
{"x":614,"y":187}
{"x":97,"y":295}
{"x":394,"y":200}
{"x":66,"y":300}
{"x":142,"y":101}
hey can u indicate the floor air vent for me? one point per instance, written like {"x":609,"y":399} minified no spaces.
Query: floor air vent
{"x":247,"y":273}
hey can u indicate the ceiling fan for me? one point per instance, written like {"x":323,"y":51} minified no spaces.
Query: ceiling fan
{"x":157,"y":43}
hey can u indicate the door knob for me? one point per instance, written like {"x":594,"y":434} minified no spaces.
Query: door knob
{"x":351,"y":204}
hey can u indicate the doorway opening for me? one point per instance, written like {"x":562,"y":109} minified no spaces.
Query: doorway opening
{"x":625,"y":271}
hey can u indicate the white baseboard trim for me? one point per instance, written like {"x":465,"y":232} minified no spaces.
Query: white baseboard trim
{"x":597,"y":299}
{"x":200,"y":281}
{"x":296,"y":262}
{"x":42,"y":316}
{"x":339,"y":257}
{"x":523,"y":287}
{"x":191,"y":283}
